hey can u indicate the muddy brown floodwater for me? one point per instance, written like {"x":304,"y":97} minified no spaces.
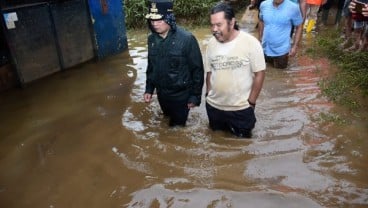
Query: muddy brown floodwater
{"x":85,"y":138}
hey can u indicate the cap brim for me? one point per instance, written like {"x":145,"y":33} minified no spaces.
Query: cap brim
{"x":154,"y":16}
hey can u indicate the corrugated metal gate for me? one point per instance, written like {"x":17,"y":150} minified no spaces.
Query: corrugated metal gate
{"x":31,"y":41}
{"x":72,"y":27}
{"x":47,"y":37}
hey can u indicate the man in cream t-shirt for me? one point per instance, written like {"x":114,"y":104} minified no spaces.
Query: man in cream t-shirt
{"x":235,"y":67}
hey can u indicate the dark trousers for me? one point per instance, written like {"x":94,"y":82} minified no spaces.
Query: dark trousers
{"x":177,"y":111}
{"x":279,"y":62}
{"x":239,"y":123}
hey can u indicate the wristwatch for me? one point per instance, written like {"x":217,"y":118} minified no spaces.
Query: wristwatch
{"x":253,"y":105}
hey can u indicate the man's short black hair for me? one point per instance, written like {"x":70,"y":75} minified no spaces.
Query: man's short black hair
{"x":227,"y":9}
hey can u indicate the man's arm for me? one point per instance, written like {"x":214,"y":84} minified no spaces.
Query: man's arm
{"x":297,"y":37}
{"x":257,"y":86}
{"x":147,"y":96}
{"x":303,"y":8}
{"x":208,"y":82}
{"x":195,"y":63}
{"x":260,"y":30}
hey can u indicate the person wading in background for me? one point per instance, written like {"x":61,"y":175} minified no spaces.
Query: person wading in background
{"x":276,"y":20}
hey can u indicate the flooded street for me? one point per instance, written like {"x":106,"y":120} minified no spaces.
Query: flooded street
{"x":85,"y":138}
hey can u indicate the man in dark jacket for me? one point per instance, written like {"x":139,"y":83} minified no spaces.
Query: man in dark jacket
{"x":175,"y":66}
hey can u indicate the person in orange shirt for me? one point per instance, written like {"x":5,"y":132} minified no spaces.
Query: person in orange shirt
{"x":312,"y":11}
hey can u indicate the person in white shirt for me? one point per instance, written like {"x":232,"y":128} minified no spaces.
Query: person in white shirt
{"x":235,"y":71}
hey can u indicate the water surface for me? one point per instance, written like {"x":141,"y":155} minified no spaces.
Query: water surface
{"x":85,"y":138}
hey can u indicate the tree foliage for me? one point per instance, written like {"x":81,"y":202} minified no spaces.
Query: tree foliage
{"x":192,"y":12}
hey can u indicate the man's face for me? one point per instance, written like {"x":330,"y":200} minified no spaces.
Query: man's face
{"x":220,"y":27}
{"x":160,"y":26}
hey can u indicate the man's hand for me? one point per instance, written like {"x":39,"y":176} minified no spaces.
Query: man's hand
{"x":365,"y":10}
{"x":147,"y":97}
{"x":353,"y":5}
{"x":292,"y":51}
{"x":191,"y":105}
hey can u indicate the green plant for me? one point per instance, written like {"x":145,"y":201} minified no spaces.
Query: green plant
{"x":330,"y":117}
{"x":135,"y":10}
{"x":351,"y":80}
{"x":193,"y":11}
{"x":188,"y":12}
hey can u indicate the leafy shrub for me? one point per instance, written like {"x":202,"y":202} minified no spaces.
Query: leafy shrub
{"x":192,"y":12}
{"x":135,"y":10}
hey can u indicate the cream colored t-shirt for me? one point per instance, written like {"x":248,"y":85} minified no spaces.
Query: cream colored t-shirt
{"x":232,"y":65}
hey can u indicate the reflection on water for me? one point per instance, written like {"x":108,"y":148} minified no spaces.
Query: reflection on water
{"x":85,"y":138}
{"x":159,"y":196}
